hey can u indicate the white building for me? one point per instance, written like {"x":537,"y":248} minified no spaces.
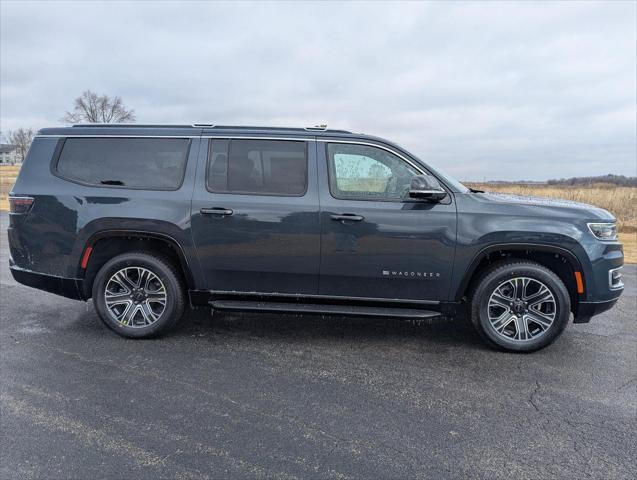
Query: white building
{"x":9,"y":154}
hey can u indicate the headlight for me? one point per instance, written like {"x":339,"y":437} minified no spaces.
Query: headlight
{"x":604,"y":231}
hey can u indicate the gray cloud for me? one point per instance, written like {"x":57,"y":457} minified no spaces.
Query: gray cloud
{"x":486,"y":90}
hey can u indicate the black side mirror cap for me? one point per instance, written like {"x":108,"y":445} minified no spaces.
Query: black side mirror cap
{"x":426,"y":187}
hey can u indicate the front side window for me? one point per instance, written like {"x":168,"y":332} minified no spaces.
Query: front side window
{"x":261,"y":167}
{"x":367,"y":173}
{"x":145,"y":163}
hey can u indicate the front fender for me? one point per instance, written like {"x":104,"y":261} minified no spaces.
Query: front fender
{"x":486,"y":226}
{"x":464,"y":273}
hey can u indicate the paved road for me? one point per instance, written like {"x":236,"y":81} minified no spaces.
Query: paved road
{"x":244,"y":396}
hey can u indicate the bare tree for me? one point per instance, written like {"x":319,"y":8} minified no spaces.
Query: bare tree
{"x":22,"y":138}
{"x":93,"y":108}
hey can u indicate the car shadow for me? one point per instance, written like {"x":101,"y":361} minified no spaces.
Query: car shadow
{"x":293,"y":328}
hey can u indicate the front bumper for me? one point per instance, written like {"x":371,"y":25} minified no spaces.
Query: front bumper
{"x":586,"y":310}
{"x":602,"y":291}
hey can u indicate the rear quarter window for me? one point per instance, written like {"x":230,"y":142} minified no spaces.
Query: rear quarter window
{"x":142,"y":163}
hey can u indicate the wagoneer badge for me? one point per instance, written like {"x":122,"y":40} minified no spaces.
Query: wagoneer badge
{"x":395,"y":273}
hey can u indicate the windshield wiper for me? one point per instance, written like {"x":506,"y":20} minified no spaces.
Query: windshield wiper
{"x":112,"y":182}
{"x":473,"y":190}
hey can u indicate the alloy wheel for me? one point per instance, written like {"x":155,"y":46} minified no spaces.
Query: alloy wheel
{"x":521,"y":309}
{"x":135,"y":297}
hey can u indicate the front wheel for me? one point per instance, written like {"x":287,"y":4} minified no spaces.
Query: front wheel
{"x":138,"y":295}
{"x":520,"y":306}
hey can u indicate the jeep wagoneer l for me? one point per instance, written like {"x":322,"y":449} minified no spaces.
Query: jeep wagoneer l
{"x":146,"y":219}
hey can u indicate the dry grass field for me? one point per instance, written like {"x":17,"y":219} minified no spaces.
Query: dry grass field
{"x":621,"y":201}
{"x":8,"y":174}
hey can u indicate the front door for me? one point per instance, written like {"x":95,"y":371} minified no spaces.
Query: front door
{"x":255,"y":218}
{"x":376,"y":241}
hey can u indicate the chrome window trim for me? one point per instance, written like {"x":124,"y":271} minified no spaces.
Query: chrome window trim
{"x":117,"y":136}
{"x":418,"y":167}
{"x":241,"y":137}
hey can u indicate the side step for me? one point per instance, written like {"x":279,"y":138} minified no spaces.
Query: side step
{"x":348,"y":310}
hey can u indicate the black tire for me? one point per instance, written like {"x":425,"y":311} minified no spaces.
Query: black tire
{"x":173,"y":287}
{"x":494,"y":277}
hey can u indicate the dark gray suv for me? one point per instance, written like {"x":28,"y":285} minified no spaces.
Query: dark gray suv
{"x":145,"y":219}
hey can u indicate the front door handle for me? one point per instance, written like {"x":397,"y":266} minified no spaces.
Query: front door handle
{"x":224,"y":212}
{"x":347,"y":217}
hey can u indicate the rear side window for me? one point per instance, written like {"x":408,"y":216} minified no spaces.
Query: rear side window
{"x":145,"y":163}
{"x":261,"y":167}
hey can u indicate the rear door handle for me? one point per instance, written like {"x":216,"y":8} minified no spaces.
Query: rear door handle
{"x":347,"y":217}
{"x":224,"y":212}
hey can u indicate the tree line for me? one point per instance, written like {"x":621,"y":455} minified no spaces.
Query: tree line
{"x":87,"y":108}
{"x":619,"y":180}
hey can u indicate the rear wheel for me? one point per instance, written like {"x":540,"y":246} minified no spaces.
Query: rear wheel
{"x":138,"y":295}
{"x":520,"y":306}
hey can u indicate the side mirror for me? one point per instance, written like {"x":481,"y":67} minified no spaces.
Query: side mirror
{"x":427,"y":188}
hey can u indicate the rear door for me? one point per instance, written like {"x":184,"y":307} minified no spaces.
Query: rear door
{"x":255,"y":216}
{"x":377,"y":242}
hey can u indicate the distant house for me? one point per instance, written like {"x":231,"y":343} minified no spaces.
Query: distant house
{"x":9,"y":154}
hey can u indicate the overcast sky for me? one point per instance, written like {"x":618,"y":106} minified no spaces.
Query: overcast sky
{"x":515,"y":90}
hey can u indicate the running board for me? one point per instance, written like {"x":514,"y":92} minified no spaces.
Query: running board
{"x":348,"y":310}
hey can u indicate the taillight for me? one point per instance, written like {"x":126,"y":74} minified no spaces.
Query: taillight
{"x":20,"y":205}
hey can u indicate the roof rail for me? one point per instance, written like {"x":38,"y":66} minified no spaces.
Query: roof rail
{"x":319,"y":128}
{"x":261,"y":127}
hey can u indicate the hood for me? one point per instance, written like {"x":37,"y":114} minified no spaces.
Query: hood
{"x":576,"y":208}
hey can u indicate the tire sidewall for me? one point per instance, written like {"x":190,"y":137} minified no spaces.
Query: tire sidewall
{"x":507,"y":272}
{"x":161,"y":270}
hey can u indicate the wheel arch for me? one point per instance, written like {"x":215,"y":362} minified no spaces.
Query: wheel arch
{"x":103,"y":245}
{"x":561,"y":261}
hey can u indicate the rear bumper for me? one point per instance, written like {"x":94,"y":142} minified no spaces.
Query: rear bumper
{"x":66,"y":287}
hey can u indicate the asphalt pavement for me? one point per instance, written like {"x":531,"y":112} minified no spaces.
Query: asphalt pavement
{"x":286,"y":396}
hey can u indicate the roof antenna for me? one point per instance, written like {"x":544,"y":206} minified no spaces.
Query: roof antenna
{"x":321,"y":127}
